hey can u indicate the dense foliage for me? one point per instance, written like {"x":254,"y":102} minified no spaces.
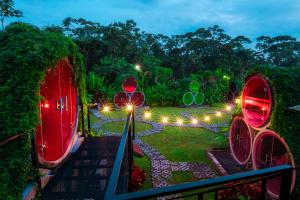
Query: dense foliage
{"x":26,"y":53}
{"x":207,"y":54}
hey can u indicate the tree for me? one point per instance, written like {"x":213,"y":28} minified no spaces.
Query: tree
{"x":278,"y":51}
{"x":7,"y":10}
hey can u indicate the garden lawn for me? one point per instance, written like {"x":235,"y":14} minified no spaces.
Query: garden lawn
{"x":119,"y":127}
{"x":173,"y":113}
{"x":181,"y":144}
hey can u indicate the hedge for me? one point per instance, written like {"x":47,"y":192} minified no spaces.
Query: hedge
{"x":26,"y":52}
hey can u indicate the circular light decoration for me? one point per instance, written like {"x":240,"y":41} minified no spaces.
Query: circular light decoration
{"x":194,"y":86}
{"x":137,"y":99}
{"x":121,"y":99}
{"x":270,"y":150}
{"x":199,"y":98}
{"x":188,"y":98}
{"x":240,"y":140}
{"x":129,"y":85}
{"x":256,"y":101}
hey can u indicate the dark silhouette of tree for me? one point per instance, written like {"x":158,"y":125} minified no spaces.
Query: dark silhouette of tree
{"x":7,"y":10}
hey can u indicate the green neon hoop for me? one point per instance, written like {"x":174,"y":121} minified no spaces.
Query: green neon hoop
{"x":188,"y":98}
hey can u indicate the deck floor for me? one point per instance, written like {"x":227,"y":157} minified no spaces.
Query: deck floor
{"x":85,"y":174}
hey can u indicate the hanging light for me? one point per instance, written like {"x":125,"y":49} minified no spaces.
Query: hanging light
{"x":138,"y":67}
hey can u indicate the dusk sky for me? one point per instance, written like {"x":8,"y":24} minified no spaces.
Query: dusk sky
{"x":251,"y":18}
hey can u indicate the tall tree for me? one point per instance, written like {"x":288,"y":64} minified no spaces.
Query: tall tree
{"x":7,"y":10}
{"x":278,"y":51}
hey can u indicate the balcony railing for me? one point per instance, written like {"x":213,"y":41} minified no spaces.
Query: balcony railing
{"x":198,"y":188}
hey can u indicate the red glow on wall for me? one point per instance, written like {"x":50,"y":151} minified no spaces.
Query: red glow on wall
{"x":256,"y":101}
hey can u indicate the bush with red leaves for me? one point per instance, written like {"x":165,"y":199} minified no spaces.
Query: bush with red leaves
{"x":138,"y":177}
{"x":247,"y":192}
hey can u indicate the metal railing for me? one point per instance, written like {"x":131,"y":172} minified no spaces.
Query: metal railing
{"x":125,"y":150}
{"x":197,"y":188}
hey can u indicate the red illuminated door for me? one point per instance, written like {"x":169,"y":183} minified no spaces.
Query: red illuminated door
{"x":58,"y":114}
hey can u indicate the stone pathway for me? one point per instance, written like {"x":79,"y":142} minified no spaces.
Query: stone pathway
{"x":161,"y":167}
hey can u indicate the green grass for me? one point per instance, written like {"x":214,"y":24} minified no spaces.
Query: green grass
{"x":119,"y":127}
{"x":182,"y":177}
{"x":115,"y":114}
{"x":145,"y":164}
{"x":185,"y":144}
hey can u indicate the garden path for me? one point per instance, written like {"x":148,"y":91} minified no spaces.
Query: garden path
{"x":161,"y":167}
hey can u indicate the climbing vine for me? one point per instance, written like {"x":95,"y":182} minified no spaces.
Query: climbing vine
{"x":26,"y":52}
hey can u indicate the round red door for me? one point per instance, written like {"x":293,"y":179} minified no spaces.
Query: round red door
{"x":58,"y":114}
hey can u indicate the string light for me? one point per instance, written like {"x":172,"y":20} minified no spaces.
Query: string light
{"x":194,"y":121}
{"x":237,"y":100}
{"x":138,"y":67}
{"x":207,"y":118}
{"x":147,"y":115}
{"x":218,"y":114}
{"x":228,"y":108}
{"x":164,"y":120}
{"x":179,"y":121}
{"x":106,"y":108}
{"x":129,"y":107}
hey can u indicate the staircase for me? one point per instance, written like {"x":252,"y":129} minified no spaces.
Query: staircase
{"x":86,"y":173}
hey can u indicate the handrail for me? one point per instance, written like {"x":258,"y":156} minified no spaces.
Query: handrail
{"x":10,"y":139}
{"x":206,"y":186}
{"x":183,"y":187}
{"x":113,"y":180}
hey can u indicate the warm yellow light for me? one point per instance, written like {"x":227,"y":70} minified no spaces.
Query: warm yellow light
{"x":147,"y":115}
{"x":194,"y":121}
{"x":228,"y":107}
{"x":129,"y":107}
{"x":237,"y":100}
{"x":179,"y":121}
{"x":106,"y":108}
{"x":263,"y":108}
{"x":207,"y":118}
{"x":218,"y":114}
{"x":138,"y":67}
{"x":164,"y":120}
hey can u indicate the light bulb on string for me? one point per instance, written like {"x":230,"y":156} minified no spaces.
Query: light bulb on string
{"x":147,"y":115}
